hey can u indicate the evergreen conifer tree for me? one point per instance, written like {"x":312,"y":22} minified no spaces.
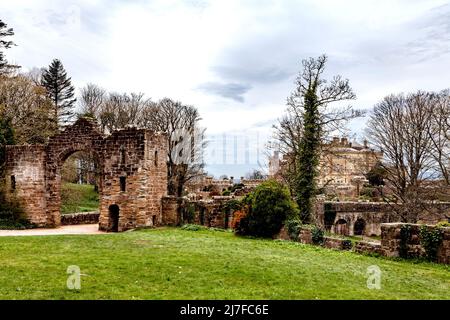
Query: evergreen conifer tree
{"x":60,"y":91}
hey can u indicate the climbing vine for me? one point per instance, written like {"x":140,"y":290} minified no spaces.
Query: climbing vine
{"x":430,"y":240}
{"x":329,"y":215}
{"x":405,"y":237}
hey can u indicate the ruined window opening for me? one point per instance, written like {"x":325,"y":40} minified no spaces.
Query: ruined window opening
{"x":123,"y":183}
{"x":156,"y":158}
{"x":153,"y":220}
{"x":13,"y":183}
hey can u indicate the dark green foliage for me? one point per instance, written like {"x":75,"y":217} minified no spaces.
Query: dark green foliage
{"x":308,"y":160}
{"x":6,"y":138}
{"x":4,"y":44}
{"x":269,"y":205}
{"x":193,"y":227}
{"x":329,"y":215}
{"x":376,"y":175}
{"x":317,"y":235}
{"x":310,"y":100}
{"x":431,"y":239}
{"x":60,"y":91}
{"x":226,"y":192}
{"x":293,"y":227}
{"x":443,"y":224}
{"x":189,"y":213}
{"x":12,"y":215}
{"x":347,"y":244}
{"x":405,"y":237}
{"x":236,"y":186}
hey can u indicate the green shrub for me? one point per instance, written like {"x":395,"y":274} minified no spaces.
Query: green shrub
{"x":405,"y":237}
{"x":293,"y":227}
{"x":193,"y":227}
{"x":431,"y":239}
{"x":12,"y":215}
{"x":317,"y":235}
{"x":189,"y":213}
{"x":443,"y":224}
{"x":268,"y":206}
{"x":347,"y":244}
{"x":226,"y":192}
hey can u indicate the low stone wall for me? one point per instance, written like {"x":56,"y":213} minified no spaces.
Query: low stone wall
{"x":305,"y":236}
{"x":365,"y":218}
{"x":390,"y":245}
{"x":170,"y":214}
{"x":367,"y":247}
{"x":80,"y":218}
{"x":337,"y":243}
{"x":392,"y":242}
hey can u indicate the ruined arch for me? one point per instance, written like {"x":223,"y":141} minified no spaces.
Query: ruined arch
{"x":359,"y":227}
{"x":37,"y":172}
{"x":341,"y":227}
{"x":82,"y":136}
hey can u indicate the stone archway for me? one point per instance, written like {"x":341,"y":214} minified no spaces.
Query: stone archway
{"x":131,"y":175}
{"x":359,"y":227}
{"x":82,"y":136}
{"x":341,"y":227}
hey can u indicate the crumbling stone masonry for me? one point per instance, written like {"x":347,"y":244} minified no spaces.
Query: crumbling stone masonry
{"x":132,"y":166}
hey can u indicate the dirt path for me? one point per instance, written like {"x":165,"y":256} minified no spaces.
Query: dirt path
{"x":72,"y":229}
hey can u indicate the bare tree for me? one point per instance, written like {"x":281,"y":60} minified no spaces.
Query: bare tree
{"x":439,"y":133}
{"x":92,"y":98}
{"x":186,"y":140}
{"x":121,"y":110}
{"x":400,"y":126}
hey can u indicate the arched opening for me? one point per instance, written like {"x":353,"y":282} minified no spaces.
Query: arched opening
{"x":114,"y":213}
{"x":341,"y":227}
{"x":80,"y":183}
{"x":359,"y":227}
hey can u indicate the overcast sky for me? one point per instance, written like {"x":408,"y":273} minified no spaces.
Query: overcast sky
{"x":235,"y":60}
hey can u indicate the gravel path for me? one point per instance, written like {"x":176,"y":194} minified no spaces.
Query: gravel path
{"x":72,"y":229}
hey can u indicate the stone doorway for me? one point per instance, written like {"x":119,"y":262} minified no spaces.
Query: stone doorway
{"x":359,"y":227}
{"x":114,"y":213}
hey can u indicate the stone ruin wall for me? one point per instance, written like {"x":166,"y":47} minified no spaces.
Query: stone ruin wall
{"x":136,"y":154}
{"x":145,"y":172}
{"x":25,"y":180}
{"x":208,"y":213}
{"x":390,"y":242}
{"x":372,"y":213}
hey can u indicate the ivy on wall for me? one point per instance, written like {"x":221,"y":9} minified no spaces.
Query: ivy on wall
{"x":405,"y":237}
{"x":431,"y":239}
{"x":329,"y":215}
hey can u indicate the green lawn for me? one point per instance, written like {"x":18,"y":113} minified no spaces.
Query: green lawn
{"x":171,"y":263}
{"x":78,"y":198}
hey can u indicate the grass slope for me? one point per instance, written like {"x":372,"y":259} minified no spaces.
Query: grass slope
{"x":78,"y":198}
{"x":172,"y":263}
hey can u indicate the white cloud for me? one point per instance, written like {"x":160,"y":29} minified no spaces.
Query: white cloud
{"x":246,"y":53}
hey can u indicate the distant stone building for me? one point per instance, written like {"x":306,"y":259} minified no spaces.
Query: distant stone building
{"x":342,"y":166}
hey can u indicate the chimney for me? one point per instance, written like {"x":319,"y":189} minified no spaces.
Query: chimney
{"x":344,"y":141}
{"x":335,"y":140}
{"x":366,"y":143}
